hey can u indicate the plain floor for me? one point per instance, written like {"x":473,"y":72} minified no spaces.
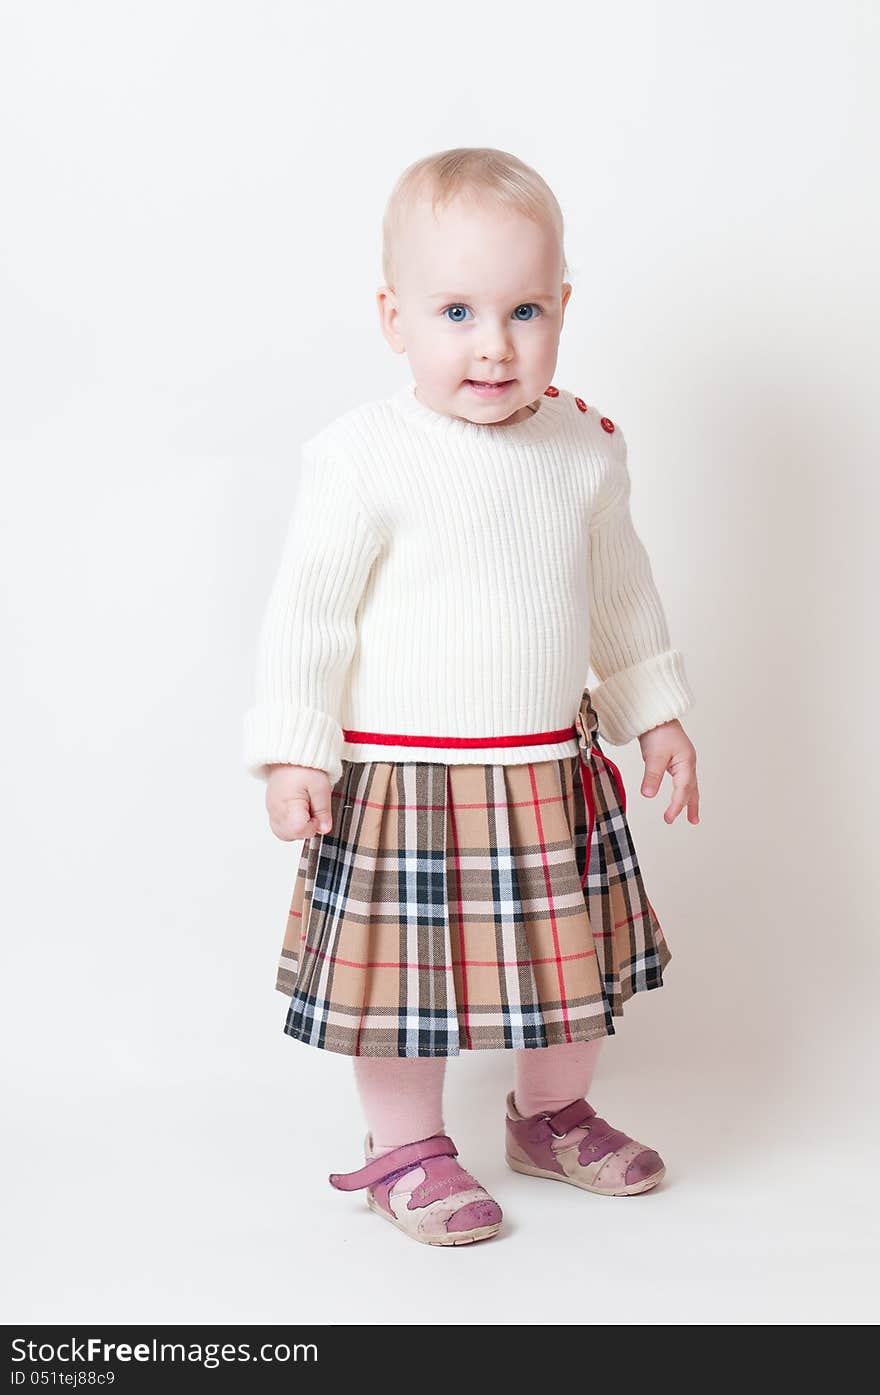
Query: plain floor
{"x":195,"y":1203}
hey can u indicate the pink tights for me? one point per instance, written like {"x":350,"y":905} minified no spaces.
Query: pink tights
{"x":402,"y":1096}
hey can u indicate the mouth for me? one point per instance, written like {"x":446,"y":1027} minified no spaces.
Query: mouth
{"x":489,"y":389}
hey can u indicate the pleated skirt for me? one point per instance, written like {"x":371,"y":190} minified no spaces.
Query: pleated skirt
{"x":468,"y":907}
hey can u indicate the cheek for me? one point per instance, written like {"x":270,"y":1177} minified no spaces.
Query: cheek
{"x":439,"y":350}
{"x":547,"y":337}
{"x":543,"y":347}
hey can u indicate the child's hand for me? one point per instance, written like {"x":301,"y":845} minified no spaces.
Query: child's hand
{"x":667,"y":748}
{"x":298,"y":801}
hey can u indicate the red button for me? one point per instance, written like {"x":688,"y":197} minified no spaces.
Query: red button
{"x":551,"y":391}
{"x":581,"y":404}
{"x":607,"y":423}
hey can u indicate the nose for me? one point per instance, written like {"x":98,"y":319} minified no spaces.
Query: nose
{"x":496,"y":345}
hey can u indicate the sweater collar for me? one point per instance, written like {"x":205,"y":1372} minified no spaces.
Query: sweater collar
{"x":543,"y":423}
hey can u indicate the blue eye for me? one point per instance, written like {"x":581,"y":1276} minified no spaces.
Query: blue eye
{"x":457,"y":314}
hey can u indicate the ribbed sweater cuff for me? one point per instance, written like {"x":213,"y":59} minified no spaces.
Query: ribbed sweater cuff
{"x":632,"y":701}
{"x":278,"y":735}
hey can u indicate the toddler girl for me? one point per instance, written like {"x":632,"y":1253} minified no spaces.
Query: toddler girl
{"x":461,"y":553}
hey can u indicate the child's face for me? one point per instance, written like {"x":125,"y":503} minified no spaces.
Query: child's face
{"x":479,"y":299}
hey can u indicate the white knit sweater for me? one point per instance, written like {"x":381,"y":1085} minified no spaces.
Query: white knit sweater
{"x":446,"y":578}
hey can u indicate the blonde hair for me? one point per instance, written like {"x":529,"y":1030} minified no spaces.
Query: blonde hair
{"x":476,"y":172}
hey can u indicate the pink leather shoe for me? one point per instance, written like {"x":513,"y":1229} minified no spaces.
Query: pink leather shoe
{"x":420,"y":1188}
{"x":575,"y":1145}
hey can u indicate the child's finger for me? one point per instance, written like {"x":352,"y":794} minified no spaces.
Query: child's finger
{"x":682,"y":786}
{"x":654,"y":772}
{"x":287,"y":818}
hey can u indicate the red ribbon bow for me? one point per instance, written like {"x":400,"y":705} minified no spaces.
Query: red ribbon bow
{"x":585,"y":724}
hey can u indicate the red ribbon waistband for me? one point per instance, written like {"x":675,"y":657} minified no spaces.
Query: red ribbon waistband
{"x":538,"y":738}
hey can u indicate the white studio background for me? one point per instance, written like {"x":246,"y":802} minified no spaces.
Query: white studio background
{"x":192,"y":200}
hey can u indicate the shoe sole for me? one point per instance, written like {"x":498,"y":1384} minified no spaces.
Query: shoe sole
{"x":632,"y":1190}
{"x":463,"y":1237}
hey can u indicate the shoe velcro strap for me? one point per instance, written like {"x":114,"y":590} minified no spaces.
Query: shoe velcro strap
{"x":401,"y":1159}
{"x":574,"y":1114}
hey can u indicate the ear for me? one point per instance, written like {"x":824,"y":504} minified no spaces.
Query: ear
{"x":386,"y":300}
{"x":566,"y":292}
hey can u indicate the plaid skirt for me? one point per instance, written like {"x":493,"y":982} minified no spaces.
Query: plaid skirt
{"x":469,"y":907}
